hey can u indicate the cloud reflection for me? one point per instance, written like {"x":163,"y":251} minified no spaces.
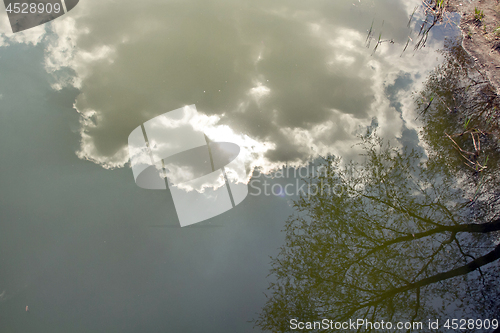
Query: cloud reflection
{"x":288,"y":80}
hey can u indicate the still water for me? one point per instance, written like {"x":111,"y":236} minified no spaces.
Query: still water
{"x":288,"y":81}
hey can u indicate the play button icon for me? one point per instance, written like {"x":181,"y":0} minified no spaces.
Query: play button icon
{"x":28,"y":14}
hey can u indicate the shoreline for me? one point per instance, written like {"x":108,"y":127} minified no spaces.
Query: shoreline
{"x":481,"y":34}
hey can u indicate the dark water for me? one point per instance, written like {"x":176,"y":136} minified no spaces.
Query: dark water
{"x":87,"y":249}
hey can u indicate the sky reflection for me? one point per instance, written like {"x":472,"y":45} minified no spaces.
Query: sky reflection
{"x":285,"y":81}
{"x":294,"y":79}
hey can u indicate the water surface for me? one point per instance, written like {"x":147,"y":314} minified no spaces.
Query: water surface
{"x":87,"y":249}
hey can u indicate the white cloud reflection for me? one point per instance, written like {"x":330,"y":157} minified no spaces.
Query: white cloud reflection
{"x":286,"y":80}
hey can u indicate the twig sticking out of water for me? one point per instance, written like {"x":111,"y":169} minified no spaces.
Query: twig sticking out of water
{"x":370,"y":35}
{"x":411,"y":16}
{"x":472,"y":158}
{"x":435,"y":12}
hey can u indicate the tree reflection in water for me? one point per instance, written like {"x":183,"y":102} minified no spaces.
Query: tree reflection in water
{"x":410,"y":237}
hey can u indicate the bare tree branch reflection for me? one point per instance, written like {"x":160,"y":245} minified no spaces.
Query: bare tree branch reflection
{"x":411,"y":236}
